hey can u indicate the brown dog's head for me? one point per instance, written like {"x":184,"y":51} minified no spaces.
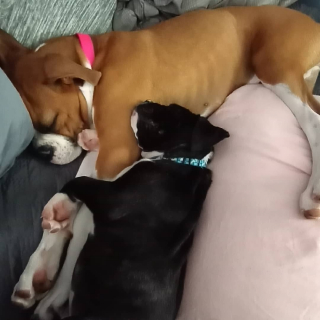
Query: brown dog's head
{"x":48,"y":81}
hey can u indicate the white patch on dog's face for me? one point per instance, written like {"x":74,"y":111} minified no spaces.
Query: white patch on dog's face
{"x":146,"y":155}
{"x":63,"y":149}
{"x":134,"y":122}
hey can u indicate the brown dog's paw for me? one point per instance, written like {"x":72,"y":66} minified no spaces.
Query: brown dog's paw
{"x":88,"y":140}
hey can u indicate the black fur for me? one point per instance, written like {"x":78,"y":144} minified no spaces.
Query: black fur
{"x":132,"y":268}
{"x":176,"y":131}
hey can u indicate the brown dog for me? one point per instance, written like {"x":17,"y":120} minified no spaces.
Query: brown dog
{"x":194,"y":60}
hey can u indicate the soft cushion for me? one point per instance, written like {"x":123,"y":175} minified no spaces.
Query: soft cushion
{"x":16,"y":130}
{"x":255,"y":257}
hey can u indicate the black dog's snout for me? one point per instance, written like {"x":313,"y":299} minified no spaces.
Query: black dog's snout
{"x":46,"y":152}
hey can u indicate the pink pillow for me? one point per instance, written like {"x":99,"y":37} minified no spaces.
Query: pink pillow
{"x":255,"y":257}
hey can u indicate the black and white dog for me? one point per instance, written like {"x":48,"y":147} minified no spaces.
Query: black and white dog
{"x":131,"y":266}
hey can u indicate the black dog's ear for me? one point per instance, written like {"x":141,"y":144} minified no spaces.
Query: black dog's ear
{"x":205,"y":136}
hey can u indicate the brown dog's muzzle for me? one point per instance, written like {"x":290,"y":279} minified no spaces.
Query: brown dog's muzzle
{"x":55,"y":148}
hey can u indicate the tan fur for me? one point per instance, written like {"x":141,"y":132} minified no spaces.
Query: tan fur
{"x":194,"y":60}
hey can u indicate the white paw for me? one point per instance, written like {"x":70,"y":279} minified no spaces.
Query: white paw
{"x":88,"y":140}
{"x":23,"y":294}
{"x":53,"y":301}
{"x":41,"y":270}
{"x":57,"y":212}
{"x":34,"y":282}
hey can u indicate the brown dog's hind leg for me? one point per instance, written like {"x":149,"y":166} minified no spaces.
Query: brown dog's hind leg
{"x":311,"y":76}
{"x":292,"y":89}
{"x":294,"y":78}
{"x":301,"y":89}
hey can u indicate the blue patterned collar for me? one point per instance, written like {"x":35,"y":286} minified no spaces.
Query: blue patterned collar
{"x":201,"y":163}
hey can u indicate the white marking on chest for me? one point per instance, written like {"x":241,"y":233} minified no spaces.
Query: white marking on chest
{"x":87,"y":90}
{"x":208,"y":158}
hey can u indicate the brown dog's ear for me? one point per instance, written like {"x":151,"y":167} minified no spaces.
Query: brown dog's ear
{"x":58,"y":67}
{"x":10,"y":50}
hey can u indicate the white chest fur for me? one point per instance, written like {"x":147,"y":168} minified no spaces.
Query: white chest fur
{"x":87,"y":90}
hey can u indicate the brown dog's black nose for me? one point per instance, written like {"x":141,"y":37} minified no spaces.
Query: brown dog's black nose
{"x":46,"y":152}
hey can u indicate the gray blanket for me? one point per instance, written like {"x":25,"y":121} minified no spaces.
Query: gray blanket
{"x":138,"y":14}
{"x":32,"y":22}
{"x":24,"y":190}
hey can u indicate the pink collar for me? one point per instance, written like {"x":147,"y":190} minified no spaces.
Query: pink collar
{"x":86,"y":46}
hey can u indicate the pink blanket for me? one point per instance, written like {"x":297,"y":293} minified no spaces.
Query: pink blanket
{"x":255,"y":256}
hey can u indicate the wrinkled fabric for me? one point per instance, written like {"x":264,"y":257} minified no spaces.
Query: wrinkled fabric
{"x":138,"y":14}
{"x":32,"y":22}
{"x":255,"y":256}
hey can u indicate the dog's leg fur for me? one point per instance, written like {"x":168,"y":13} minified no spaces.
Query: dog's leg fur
{"x":75,"y":190}
{"x":43,"y":265}
{"x":59,"y":294}
{"x":310,"y":124}
{"x":40,"y":272}
{"x":88,"y":140}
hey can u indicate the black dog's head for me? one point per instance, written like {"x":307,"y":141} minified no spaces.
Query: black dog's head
{"x":174,"y":131}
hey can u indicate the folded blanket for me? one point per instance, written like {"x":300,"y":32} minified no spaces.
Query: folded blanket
{"x":138,"y":14}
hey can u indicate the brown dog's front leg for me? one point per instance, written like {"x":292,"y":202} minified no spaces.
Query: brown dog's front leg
{"x":118,"y":146}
